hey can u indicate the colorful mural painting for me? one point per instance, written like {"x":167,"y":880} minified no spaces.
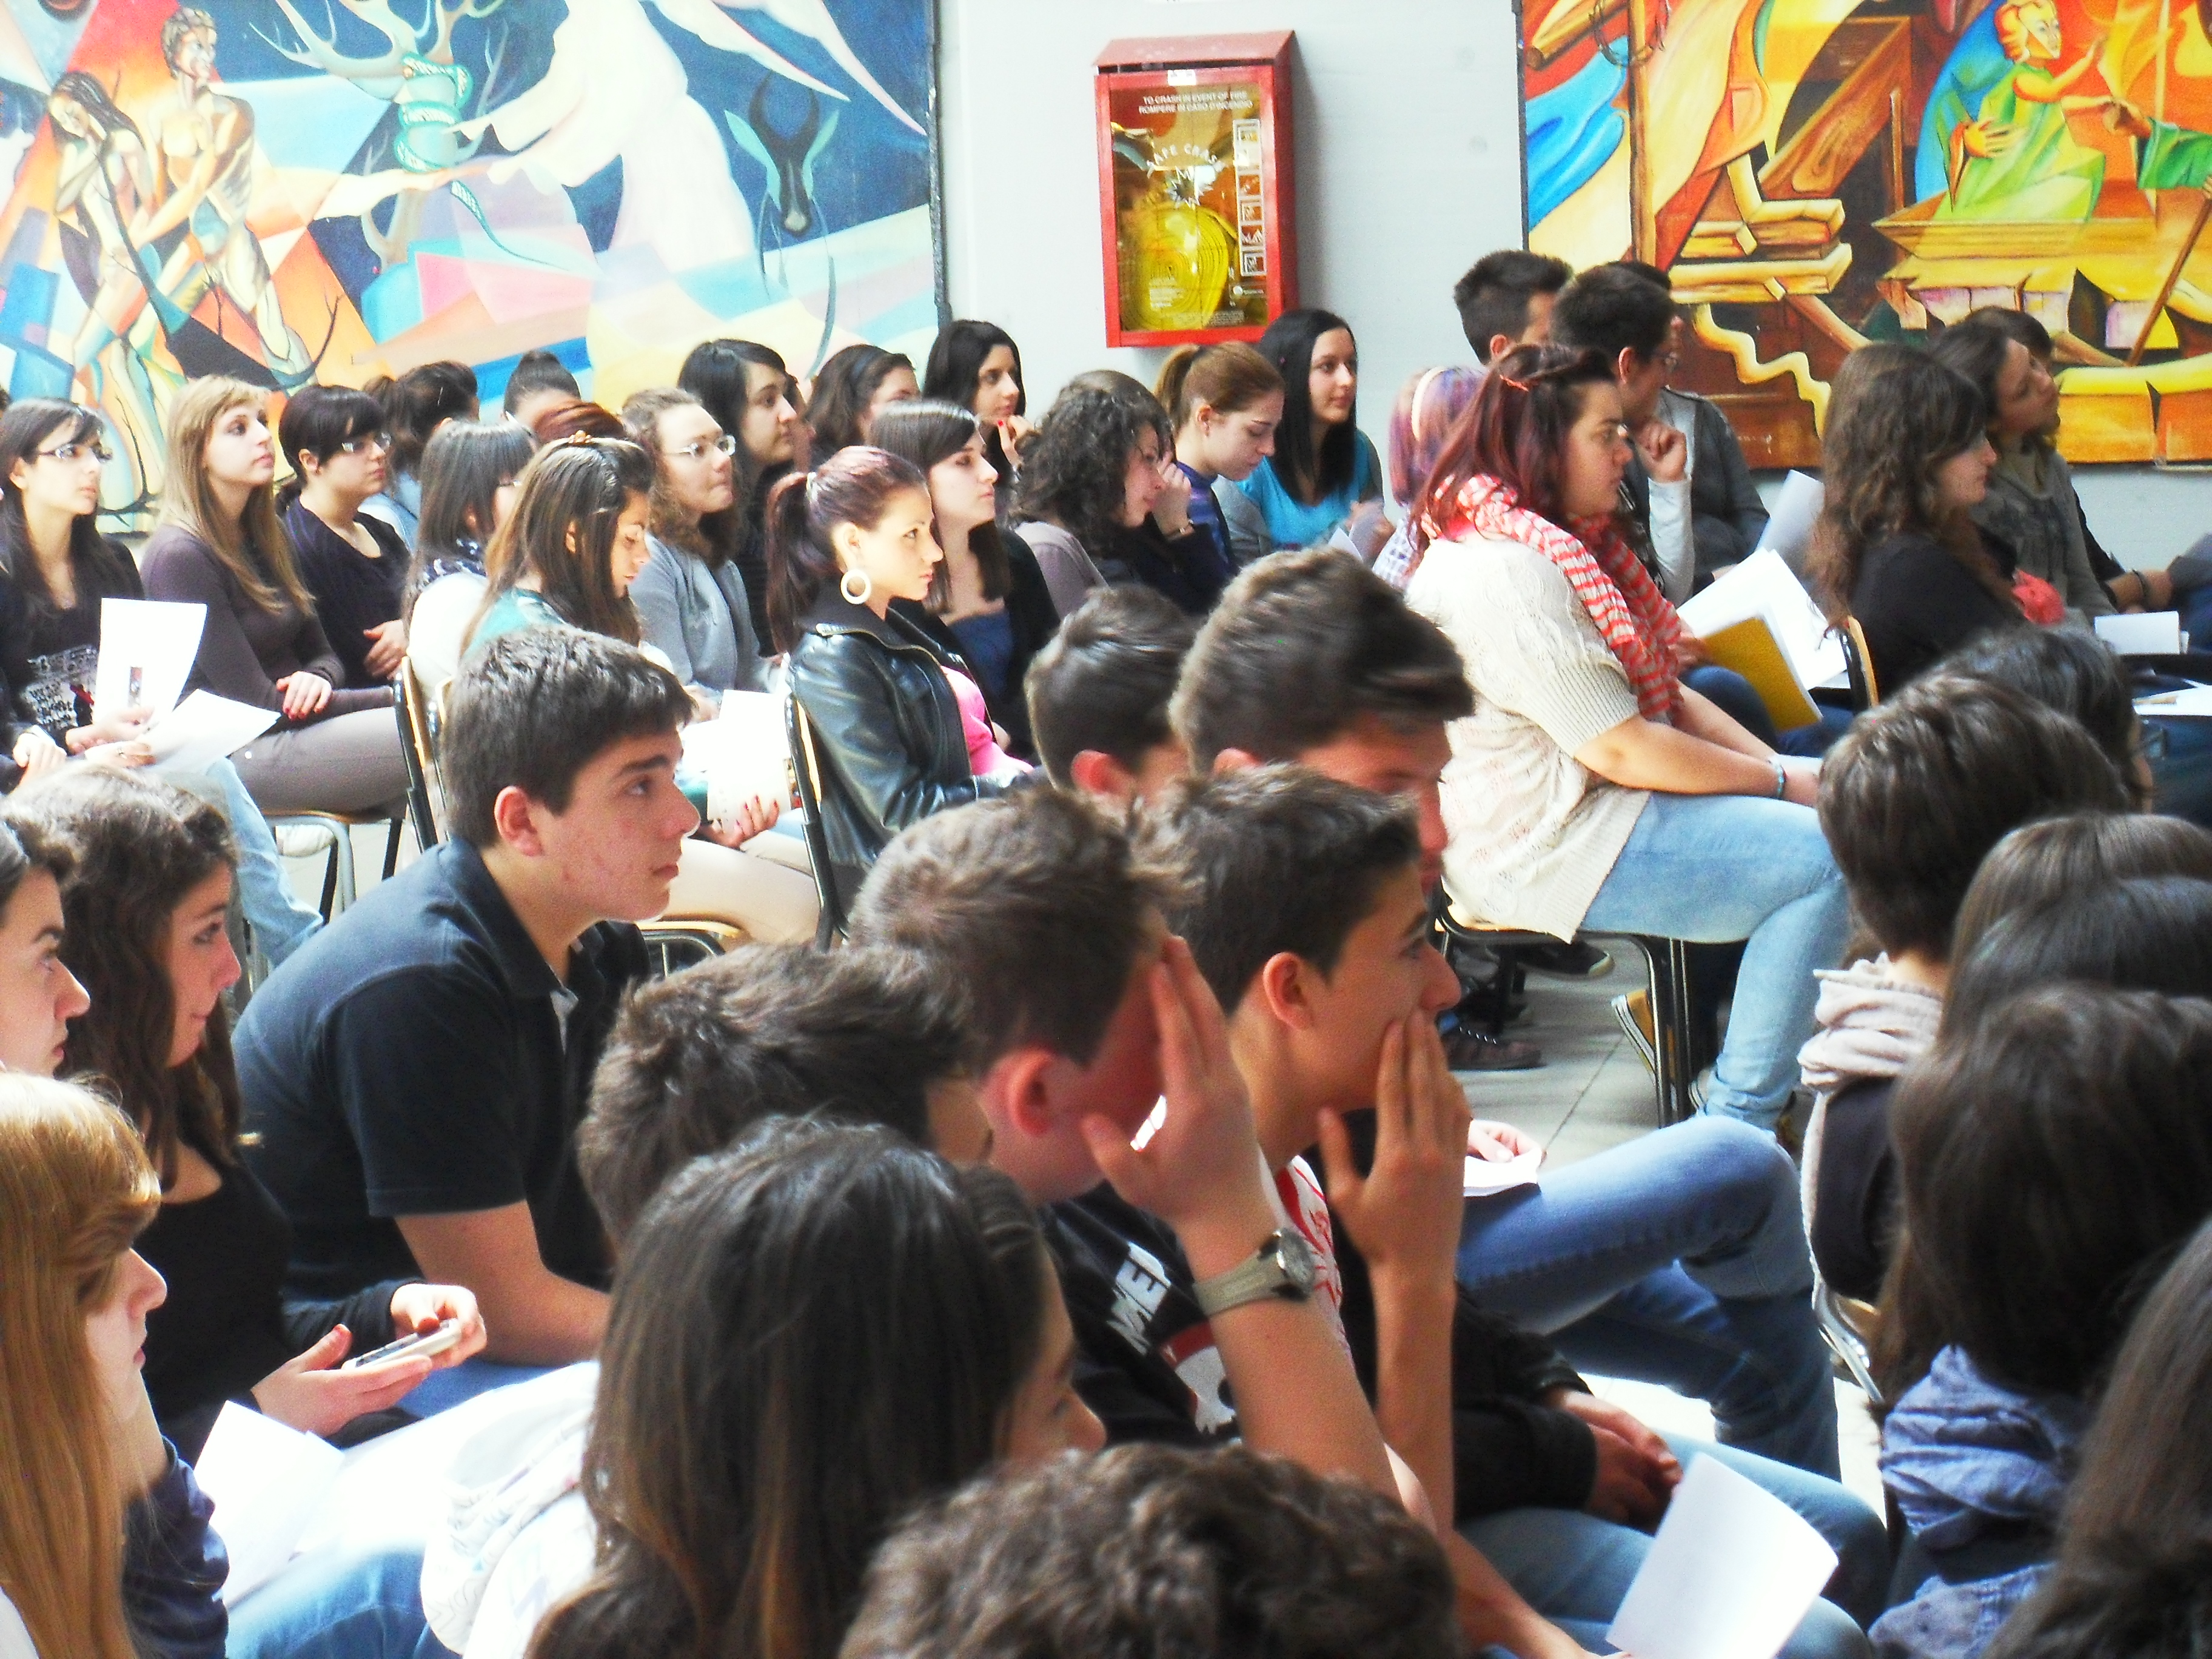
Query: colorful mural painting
{"x":1813,"y":173}
{"x":331,"y":190}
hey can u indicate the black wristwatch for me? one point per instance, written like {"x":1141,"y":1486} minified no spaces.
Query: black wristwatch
{"x":1283,"y":1267}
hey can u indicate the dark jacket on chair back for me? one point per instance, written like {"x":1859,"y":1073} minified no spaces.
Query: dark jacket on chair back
{"x":886,"y":730}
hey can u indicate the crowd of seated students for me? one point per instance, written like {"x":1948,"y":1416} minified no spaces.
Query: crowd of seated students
{"x":838,"y":1261}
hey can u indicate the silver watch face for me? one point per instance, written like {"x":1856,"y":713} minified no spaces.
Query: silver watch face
{"x":1296,"y":1259}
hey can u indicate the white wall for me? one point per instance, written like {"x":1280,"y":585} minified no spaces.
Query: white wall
{"x":1408,"y":168}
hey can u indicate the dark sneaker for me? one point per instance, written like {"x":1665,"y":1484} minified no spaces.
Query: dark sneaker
{"x":1562,"y":959}
{"x":1470,"y":1050}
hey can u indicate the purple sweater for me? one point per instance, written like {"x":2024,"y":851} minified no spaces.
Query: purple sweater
{"x":245,"y":650}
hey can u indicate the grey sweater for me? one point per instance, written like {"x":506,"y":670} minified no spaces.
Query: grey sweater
{"x":701,"y":618}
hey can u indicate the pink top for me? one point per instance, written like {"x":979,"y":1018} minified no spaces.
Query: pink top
{"x":985,"y":758}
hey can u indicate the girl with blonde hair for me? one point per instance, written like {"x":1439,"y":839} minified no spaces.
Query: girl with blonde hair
{"x":219,"y":545}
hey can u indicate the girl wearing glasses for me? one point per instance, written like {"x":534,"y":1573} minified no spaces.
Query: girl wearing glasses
{"x":691,"y":599}
{"x":58,"y":568}
{"x":356,"y":566}
{"x":219,"y":545}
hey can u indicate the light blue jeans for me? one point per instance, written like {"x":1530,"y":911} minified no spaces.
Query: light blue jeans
{"x":1574,"y":1568}
{"x":1678,"y":1259}
{"x":281,"y":923}
{"x":1711,"y":868}
{"x":338,"y":1605}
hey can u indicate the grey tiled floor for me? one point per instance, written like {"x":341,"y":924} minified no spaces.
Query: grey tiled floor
{"x":1593,"y":1093}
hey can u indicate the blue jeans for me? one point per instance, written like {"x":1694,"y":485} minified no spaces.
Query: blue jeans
{"x":281,"y":923}
{"x":338,"y":1605}
{"x":1716,"y":868}
{"x":1574,"y":1568}
{"x":1679,"y":1258}
{"x":1733,"y":695}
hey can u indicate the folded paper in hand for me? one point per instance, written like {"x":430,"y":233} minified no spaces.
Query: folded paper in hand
{"x":1731,"y":1574}
{"x":1484,"y":1177}
{"x":742,"y":752}
{"x":1763,"y":586}
{"x":147,"y":650}
{"x":204,"y":728}
{"x":267,"y":1481}
{"x":2153,"y":634}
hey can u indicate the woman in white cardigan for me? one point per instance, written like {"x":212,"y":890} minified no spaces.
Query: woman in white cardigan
{"x":1590,"y":788}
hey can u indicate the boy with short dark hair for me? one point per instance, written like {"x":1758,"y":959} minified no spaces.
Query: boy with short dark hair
{"x":415,"y":1074}
{"x":1302,"y":901}
{"x":695,"y":1059}
{"x":1679,"y":1258}
{"x":1911,"y":801}
{"x":1506,"y":300}
{"x":1098,"y":694}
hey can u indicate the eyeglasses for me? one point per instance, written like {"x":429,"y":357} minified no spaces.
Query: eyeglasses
{"x":365,"y":442}
{"x":699,"y":450}
{"x":1670,"y":361}
{"x":2151,"y":743}
{"x":67,"y":452}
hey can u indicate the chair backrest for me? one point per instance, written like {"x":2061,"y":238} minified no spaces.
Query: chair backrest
{"x":1858,"y":666}
{"x":806,"y":767}
{"x":675,"y":943}
{"x":418,"y":747}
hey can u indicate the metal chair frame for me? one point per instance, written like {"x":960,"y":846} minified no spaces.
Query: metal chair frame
{"x":806,"y":767}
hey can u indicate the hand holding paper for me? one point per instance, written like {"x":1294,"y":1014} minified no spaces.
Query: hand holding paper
{"x":266,"y":1481}
{"x":147,"y":650}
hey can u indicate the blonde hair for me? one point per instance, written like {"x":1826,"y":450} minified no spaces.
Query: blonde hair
{"x":75,"y":1187}
{"x":260,"y":559}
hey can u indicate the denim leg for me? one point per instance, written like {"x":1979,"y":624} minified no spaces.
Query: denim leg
{"x":1855,"y":1533}
{"x":1713,"y":867}
{"x":281,"y":923}
{"x":1574,"y":1569}
{"x":365,"y":1604}
{"x":2183,"y":775}
{"x":1810,"y":742}
{"x":1734,"y":697}
{"x":1757,"y":1362}
{"x":1714,"y":1194}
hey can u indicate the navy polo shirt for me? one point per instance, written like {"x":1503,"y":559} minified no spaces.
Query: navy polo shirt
{"x":417,"y":1057}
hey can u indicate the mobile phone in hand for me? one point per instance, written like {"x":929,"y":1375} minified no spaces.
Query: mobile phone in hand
{"x":423,"y":1345}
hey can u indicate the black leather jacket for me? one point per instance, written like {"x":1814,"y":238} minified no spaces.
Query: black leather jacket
{"x":886,"y":730}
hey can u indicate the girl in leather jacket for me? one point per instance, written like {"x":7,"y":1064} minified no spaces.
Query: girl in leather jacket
{"x":844,"y":541}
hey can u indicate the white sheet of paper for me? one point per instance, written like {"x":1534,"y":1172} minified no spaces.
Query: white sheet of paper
{"x":1730,"y":1576}
{"x":742,"y":752}
{"x":2157,"y":632}
{"x":1485,"y":1178}
{"x":1762,"y":585}
{"x":1790,"y":522}
{"x":2194,"y":701}
{"x":266,"y":1481}
{"x":205,"y":727}
{"x":147,"y":650}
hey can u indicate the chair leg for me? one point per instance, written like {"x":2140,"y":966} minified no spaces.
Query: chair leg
{"x":348,"y":889}
{"x":330,"y":882}
{"x":1671,"y":1022}
{"x":392,"y":845}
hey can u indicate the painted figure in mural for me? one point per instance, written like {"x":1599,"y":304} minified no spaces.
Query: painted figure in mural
{"x":203,"y":182}
{"x":1996,"y":125}
{"x":104,"y":180}
{"x":428,"y":92}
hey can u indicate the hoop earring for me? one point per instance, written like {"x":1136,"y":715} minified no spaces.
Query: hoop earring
{"x":851,"y":595}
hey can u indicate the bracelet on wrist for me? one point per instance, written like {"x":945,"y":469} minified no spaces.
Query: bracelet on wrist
{"x":1781,"y":780}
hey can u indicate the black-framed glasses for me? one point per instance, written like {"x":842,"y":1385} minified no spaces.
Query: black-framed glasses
{"x":66,"y":453}
{"x":701,"y":448}
{"x":362,"y":443}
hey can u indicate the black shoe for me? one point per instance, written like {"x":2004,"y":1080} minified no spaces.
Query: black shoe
{"x":1565,"y":959}
{"x":1472,"y":1050}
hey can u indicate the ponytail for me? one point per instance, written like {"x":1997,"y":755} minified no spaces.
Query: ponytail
{"x":855,"y":486}
{"x":1225,"y":378}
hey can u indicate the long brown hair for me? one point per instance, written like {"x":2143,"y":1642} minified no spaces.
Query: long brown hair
{"x":75,"y":1189}
{"x":254,"y":549}
{"x":1516,"y":431}
{"x":577,"y":487}
{"x":809,"y":1333}
{"x":138,"y":846}
{"x":927,"y":430}
{"x":713,"y":536}
{"x":1225,"y":378}
{"x":1895,"y":415}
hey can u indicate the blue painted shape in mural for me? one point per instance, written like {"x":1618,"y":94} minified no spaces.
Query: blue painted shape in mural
{"x":1975,"y":66}
{"x":26,"y":315}
{"x":315,"y":122}
{"x":729,"y":290}
{"x":392,"y":304}
{"x":575,"y":355}
{"x":1573,"y":130}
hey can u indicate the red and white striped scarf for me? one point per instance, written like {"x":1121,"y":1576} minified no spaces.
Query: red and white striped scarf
{"x":1639,"y":625}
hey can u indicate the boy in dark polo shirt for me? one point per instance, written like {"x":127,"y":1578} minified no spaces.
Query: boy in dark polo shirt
{"x":415,"y":1073}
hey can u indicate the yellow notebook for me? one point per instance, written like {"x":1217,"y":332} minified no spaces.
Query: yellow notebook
{"x":1749,"y":648}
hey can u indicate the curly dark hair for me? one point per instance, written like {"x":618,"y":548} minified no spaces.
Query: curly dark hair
{"x":138,"y":846}
{"x":1075,"y":473}
{"x":1150,"y":1552}
{"x":1895,"y":415}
